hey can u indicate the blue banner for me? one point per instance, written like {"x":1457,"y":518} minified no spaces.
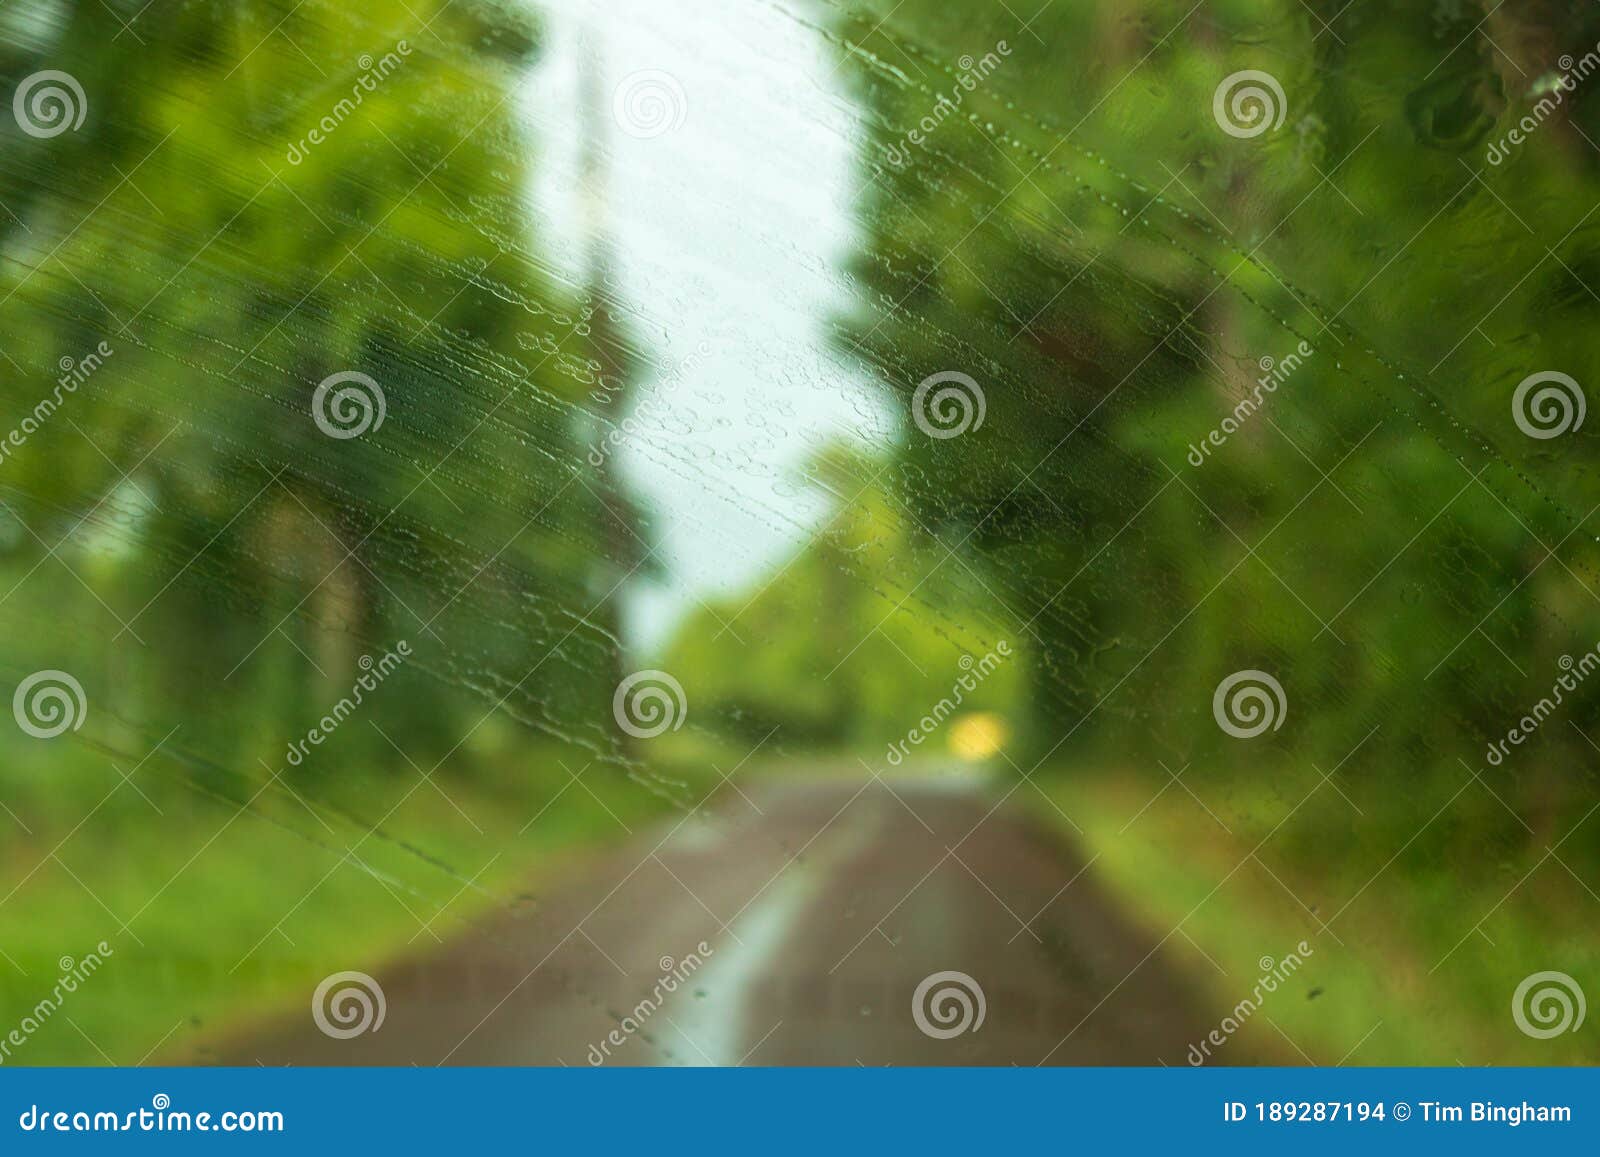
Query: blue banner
{"x":814,"y":1111}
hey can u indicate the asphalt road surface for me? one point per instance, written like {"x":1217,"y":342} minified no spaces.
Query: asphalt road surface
{"x":822,"y":905}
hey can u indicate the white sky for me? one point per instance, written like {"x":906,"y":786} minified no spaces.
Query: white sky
{"x":727,"y":231}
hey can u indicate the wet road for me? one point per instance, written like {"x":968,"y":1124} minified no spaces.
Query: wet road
{"x":792,"y":922}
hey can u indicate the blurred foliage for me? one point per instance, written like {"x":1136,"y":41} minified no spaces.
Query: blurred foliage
{"x":263,"y":196}
{"x":1085,"y":240}
{"x":1080,"y":235}
{"x":823,"y":653}
{"x":253,"y":558}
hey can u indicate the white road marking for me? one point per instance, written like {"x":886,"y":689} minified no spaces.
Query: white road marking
{"x":714,"y":1023}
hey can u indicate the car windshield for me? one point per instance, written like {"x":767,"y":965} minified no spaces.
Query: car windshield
{"x":715,"y":532}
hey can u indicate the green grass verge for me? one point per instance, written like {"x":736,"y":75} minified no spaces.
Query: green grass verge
{"x":217,"y":917}
{"x":1413,"y":962}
